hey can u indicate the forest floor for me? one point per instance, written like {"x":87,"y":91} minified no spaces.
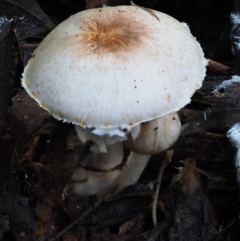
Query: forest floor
{"x":199,"y":195}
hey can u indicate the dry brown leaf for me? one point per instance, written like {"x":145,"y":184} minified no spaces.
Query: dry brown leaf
{"x":216,"y":68}
{"x":190,"y":207}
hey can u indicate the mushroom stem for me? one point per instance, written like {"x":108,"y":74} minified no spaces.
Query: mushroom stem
{"x":98,"y":170}
{"x":132,"y":170}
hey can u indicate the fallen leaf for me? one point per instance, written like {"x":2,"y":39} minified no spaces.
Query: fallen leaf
{"x":190,"y":206}
{"x":215,"y":68}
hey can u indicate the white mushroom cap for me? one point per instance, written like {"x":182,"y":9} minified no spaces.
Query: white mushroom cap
{"x":112,"y":68}
{"x":156,"y":135}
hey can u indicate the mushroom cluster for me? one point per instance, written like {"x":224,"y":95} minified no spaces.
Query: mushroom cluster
{"x":119,"y":74}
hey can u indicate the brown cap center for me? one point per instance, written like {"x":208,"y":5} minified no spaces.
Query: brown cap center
{"x":112,"y":33}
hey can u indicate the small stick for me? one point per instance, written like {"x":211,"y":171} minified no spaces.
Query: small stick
{"x":221,"y":232}
{"x":86,"y":213}
{"x":164,"y":164}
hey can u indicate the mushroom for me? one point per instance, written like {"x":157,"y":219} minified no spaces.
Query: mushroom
{"x":155,"y":136}
{"x":108,"y":70}
{"x":144,"y":140}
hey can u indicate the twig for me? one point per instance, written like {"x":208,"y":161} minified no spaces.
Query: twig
{"x":164,"y":164}
{"x":218,"y":234}
{"x":155,"y":233}
{"x":86,"y":213}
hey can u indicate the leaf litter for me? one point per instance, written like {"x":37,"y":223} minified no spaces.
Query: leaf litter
{"x":39,"y":154}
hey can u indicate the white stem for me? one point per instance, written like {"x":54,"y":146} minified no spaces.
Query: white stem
{"x":90,"y":182}
{"x":132,"y":170}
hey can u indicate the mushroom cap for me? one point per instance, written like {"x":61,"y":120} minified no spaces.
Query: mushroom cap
{"x":112,"y":68}
{"x":156,"y":135}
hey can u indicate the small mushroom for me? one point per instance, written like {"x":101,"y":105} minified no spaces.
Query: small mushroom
{"x":152,"y":137}
{"x":155,"y":136}
{"x":107,"y":76}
